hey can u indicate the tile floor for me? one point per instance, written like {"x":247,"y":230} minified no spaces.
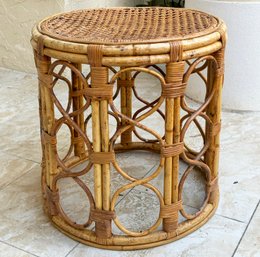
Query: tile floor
{"x":26,"y":231}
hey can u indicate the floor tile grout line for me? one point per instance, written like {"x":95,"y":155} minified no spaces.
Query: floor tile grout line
{"x":223,"y":216}
{"x":240,"y":240}
{"x":225,"y":110}
{"x":16,"y":179}
{"x":70,"y":251}
{"x":19,"y":157}
{"x":6,"y":243}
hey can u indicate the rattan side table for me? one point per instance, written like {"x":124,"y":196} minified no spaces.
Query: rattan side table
{"x":127,"y":42}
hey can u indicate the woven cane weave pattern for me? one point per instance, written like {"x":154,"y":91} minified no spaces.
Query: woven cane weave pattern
{"x":128,"y":25}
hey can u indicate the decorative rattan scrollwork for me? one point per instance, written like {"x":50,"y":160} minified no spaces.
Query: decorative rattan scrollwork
{"x":73,"y":116}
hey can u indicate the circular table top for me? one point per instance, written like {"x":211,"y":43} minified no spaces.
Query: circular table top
{"x":128,"y":25}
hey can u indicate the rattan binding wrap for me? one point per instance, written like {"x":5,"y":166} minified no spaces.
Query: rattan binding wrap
{"x":127,"y":42}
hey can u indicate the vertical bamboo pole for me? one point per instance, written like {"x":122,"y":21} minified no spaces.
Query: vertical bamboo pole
{"x":41,"y":116}
{"x":47,"y":114}
{"x":100,"y":128}
{"x":104,"y":119}
{"x":169,"y":117}
{"x":126,"y":104}
{"x":178,"y":70}
{"x":79,"y":147}
{"x":96,"y":148}
{"x":215,"y":81}
{"x":175,"y":159}
{"x":169,"y":110}
{"x":174,"y":75}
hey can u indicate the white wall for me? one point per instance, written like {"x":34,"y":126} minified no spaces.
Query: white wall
{"x":17,"y":18}
{"x":79,"y":4}
{"x":242,"y":76}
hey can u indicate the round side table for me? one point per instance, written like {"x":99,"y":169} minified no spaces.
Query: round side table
{"x":166,"y":43}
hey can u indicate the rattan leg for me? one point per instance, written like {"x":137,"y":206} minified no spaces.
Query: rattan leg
{"x":79,"y":147}
{"x":47,"y":120}
{"x":175,"y":159}
{"x":125,"y":83}
{"x":100,"y":132}
{"x":46,"y":116}
{"x":215,"y":82}
{"x":174,"y":74}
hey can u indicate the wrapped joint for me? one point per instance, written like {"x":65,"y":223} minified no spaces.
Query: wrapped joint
{"x":171,"y":90}
{"x":42,"y":64}
{"x":219,"y":56}
{"x":169,"y":211}
{"x":125,"y":83}
{"x":105,"y":92}
{"x":170,"y":215}
{"x":44,"y":80}
{"x":99,"y":215}
{"x":47,"y":138}
{"x":52,"y":197}
{"x":102,"y":157}
{"x":40,"y":45}
{"x":95,"y":54}
{"x":213,"y":185}
{"x":102,"y":220}
{"x":176,"y":51}
{"x":172,"y":150}
{"x":215,"y":129}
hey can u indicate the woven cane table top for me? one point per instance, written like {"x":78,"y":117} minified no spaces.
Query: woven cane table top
{"x":128,"y":25}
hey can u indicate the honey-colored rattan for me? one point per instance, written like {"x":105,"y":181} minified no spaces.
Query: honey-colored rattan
{"x":128,"y":25}
{"x":126,"y":42}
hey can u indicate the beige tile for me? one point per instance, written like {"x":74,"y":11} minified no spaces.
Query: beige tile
{"x":218,"y":237}
{"x":20,"y":113}
{"x":20,"y":129}
{"x":23,"y":223}
{"x":239,"y":165}
{"x":9,"y":251}
{"x":22,"y":141}
{"x":12,"y":168}
{"x":239,"y":189}
{"x":136,"y":165}
{"x":74,"y":200}
{"x":11,"y":78}
{"x":194,"y":186}
{"x":139,"y":210}
{"x":250,"y":244}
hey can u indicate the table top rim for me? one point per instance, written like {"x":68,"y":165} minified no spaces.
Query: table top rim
{"x":202,"y":33}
